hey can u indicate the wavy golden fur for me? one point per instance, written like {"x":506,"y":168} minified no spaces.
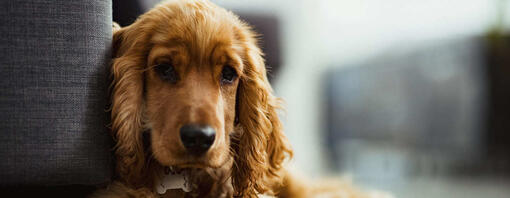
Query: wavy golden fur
{"x":198,"y":39}
{"x":191,"y":34}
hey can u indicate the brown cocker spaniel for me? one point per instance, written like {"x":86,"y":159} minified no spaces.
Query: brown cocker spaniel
{"x":190,"y":98}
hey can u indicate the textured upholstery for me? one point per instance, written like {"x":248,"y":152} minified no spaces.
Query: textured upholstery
{"x":53,"y":86}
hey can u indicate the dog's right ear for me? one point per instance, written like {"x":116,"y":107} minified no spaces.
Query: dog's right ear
{"x":127,"y":106}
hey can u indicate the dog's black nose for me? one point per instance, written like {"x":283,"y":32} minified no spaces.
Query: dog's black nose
{"x":196,"y":138}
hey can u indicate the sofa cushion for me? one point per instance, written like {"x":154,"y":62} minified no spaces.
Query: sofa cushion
{"x":53,"y":86}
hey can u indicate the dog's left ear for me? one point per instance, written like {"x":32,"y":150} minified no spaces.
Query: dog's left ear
{"x":262,"y":147}
{"x":127,"y":105}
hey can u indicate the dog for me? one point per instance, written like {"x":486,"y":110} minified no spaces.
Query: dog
{"x":193,"y":113}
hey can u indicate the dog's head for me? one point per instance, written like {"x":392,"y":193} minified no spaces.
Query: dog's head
{"x":192,"y":75}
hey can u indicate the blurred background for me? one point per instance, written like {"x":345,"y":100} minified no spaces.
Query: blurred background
{"x":406,"y":96}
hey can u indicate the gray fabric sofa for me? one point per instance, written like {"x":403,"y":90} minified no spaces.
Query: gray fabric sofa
{"x":54,"y":58}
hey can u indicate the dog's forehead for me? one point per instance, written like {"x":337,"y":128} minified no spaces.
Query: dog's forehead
{"x":196,"y":45}
{"x":208,"y":36}
{"x":210,"y":52}
{"x":196,"y":27}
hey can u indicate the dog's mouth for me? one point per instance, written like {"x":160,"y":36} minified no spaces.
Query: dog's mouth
{"x":185,"y":166}
{"x":197,"y":164}
{"x":176,"y":170}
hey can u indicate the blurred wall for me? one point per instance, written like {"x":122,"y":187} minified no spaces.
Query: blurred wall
{"x":320,"y":34}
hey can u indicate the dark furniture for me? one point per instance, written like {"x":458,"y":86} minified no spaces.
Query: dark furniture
{"x":53,"y":96}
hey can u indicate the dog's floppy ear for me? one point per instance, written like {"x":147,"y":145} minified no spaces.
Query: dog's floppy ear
{"x":262,"y":147}
{"x":127,"y":105}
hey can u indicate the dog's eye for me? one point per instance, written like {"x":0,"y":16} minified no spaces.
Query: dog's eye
{"x":228,"y":75}
{"x":167,"y":72}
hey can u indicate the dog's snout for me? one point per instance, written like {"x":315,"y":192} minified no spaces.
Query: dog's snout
{"x":197,"y":138}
